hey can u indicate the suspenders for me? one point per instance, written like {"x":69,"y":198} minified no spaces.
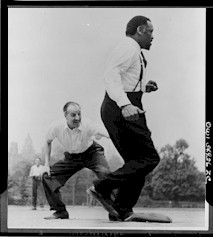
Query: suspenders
{"x":141,"y":73}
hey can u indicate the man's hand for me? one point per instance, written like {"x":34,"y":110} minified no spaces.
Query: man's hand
{"x":151,"y":86}
{"x":131,"y":112}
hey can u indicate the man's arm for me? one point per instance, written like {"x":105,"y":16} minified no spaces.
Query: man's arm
{"x":151,"y":86}
{"x":48,"y":147}
{"x":95,"y":130}
{"x":119,"y":61}
{"x":31,"y":172}
{"x":131,"y":112}
{"x":101,"y":134}
{"x":47,"y":150}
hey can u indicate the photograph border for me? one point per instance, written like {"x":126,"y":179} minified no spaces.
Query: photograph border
{"x":91,"y":232}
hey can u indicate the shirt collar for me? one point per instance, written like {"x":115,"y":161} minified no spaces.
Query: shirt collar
{"x":79,"y":128}
{"x":134,"y":43}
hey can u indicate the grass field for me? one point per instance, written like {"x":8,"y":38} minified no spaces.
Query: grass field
{"x":23,"y":219}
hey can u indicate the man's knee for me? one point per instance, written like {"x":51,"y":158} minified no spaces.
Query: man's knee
{"x":147,"y":165}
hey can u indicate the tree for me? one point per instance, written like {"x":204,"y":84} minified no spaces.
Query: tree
{"x":13,"y":156}
{"x":176,"y":177}
{"x":19,"y":184}
{"x":74,"y":191}
{"x":12,"y":184}
{"x":28,"y":152}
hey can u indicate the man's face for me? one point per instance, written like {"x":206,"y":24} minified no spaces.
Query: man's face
{"x":37,"y":162}
{"x":147,"y":36}
{"x":73,"y":116}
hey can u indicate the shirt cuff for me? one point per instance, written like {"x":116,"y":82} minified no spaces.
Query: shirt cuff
{"x":123,"y":101}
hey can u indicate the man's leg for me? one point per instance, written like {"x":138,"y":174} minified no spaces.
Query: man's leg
{"x":145,"y":160}
{"x":129,"y":139}
{"x":34,"y":193}
{"x":40,"y":193}
{"x":95,"y":160}
{"x":123,"y":141}
{"x":140,"y":159}
{"x":60,"y":172}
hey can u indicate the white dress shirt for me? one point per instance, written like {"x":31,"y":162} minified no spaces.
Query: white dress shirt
{"x":36,"y":170}
{"x":123,"y":71}
{"x":75,"y":140}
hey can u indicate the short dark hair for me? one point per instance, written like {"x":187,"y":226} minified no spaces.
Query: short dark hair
{"x":133,"y":24}
{"x":68,"y":104}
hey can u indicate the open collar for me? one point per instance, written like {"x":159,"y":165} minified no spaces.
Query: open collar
{"x":79,"y":128}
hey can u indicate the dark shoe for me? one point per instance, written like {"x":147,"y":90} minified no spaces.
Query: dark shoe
{"x":105,"y":201}
{"x":130,"y":217}
{"x":114,"y":217}
{"x":58,"y":215}
{"x":34,"y":208}
{"x":125,"y":217}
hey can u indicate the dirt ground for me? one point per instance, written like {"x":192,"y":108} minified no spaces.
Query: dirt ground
{"x":21,"y":219}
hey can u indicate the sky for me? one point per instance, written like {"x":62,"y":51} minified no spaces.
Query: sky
{"x":57,"y":55}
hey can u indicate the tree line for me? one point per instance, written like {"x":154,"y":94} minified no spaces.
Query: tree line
{"x":176,"y":179}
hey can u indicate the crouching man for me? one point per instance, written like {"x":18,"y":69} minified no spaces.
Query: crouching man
{"x":81,"y":151}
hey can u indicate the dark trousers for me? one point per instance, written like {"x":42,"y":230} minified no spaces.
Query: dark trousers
{"x":133,"y":142}
{"x":93,"y":158}
{"x":37,"y":192}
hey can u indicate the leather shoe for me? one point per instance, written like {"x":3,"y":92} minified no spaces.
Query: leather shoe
{"x":114,"y":217}
{"x":105,"y":201}
{"x":58,"y":215}
{"x":125,"y":217}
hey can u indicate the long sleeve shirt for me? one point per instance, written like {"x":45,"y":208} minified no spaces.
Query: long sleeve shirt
{"x":123,"y":70}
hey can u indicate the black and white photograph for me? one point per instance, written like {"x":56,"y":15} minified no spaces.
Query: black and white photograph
{"x":106,"y":119}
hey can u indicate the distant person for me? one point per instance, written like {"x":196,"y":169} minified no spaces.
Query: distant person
{"x":124,"y":118}
{"x":37,"y":187}
{"x":81,"y":151}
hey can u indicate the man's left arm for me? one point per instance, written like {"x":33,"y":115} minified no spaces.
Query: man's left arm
{"x":151,"y":86}
{"x":101,"y":134}
{"x":97,"y":131}
{"x":148,"y":86}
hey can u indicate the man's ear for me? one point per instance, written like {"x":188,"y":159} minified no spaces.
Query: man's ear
{"x":141,"y":29}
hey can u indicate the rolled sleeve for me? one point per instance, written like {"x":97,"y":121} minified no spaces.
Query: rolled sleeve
{"x":50,"y":134}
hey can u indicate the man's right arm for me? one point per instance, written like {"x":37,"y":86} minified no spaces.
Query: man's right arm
{"x":31,"y":172}
{"x":47,"y":150}
{"x":131,"y":112}
{"x":118,"y":62}
{"x":51,"y":134}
